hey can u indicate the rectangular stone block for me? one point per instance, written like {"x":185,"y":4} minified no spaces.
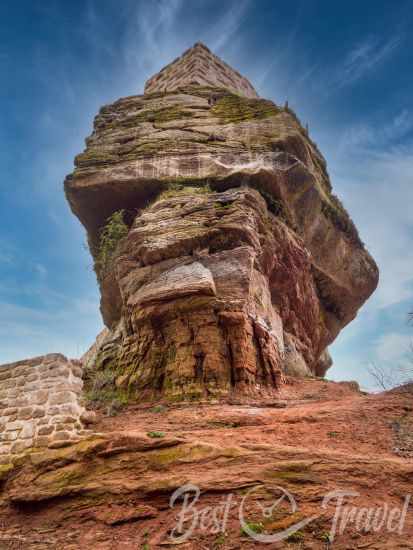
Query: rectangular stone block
{"x":21,"y":401}
{"x":43,"y":421}
{"x":21,"y":446}
{"x":8,"y":412}
{"x":63,"y":427}
{"x":63,"y":397}
{"x":63,"y":435}
{"x":45,"y":430}
{"x":69,"y":386}
{"x":40,"y":397}
{"x":38,"y":412}
{"x":41,"y":441}
{"x":27,"y":431}
{"x":63,"y":420}
{"x":17,"y":425}
{"x":62,"y":372}
{"x":66,"y":409}
{"x":9,"y":436}
{"x":25,"y":413}
{"x":21,"y":371}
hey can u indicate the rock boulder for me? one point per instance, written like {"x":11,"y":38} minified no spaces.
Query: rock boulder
{"x":237,"y":265}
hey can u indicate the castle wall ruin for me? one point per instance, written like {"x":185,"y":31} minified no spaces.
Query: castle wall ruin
{"x":39,"y":405}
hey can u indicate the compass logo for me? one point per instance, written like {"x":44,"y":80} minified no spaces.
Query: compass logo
{"x":268,"y":510}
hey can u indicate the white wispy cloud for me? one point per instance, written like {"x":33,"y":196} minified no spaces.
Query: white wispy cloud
{"x":69,"y":328}
{"x":222,"y":33}
{"x":150,"y":41}
{"x":378,"y":136}
{"x":362,"y":59}
{"x":393,"y":346}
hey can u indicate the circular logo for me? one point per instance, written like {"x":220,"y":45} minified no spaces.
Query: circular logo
{"x":267,"y":511}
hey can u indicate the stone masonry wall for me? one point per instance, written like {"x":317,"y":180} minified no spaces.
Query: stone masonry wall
{"x":39,"y":404}
{"x":199,"y":66}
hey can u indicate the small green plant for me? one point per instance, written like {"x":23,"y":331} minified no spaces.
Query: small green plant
{"x":220,"y":540}
{"x":158,"y":409}
{"x":115,"y":406}
{"x":325,"y":537}
{"x":224,"y":205}
{"x":102,"y":392}
{"x":336,"y":213}
{"x":223,"y":424}
{"x":155,"y":435}
{"x":114,"y":230}
{"x":333,"y":434}
{"x":251,"y":526}
{"x":297,"y":536}
{"x":184,"y":188}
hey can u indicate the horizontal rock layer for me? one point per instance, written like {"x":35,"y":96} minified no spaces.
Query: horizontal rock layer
{"x":116,"y":488}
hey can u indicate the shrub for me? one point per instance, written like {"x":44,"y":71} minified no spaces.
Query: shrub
{"x":185,"y":188}
{"x":297,"y":536}
{"x":339,"y":217}
{"x":158,"y":409}
{"x":251,"y":526}
{"x":114,"y":230}
{"x":155,"y":435}
{"x":101,"y":392}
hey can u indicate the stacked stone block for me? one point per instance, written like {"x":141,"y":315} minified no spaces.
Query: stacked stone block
{"x":39,"y":405}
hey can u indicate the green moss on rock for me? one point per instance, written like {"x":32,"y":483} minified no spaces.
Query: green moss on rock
{"x":233,"y":108}
{"x":114,"y":230}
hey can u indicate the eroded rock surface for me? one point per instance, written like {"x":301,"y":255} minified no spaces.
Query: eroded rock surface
{"x":239,"y":264}
{"x":115,"y":489}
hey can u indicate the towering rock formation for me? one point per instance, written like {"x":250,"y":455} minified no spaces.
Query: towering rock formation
{"x":224,"y":260}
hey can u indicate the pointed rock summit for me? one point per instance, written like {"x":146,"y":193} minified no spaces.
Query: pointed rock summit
{"x":200,"y":67}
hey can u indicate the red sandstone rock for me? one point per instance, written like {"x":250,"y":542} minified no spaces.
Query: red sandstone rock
{"x":329,"y":436}
{"x":245,"y":269}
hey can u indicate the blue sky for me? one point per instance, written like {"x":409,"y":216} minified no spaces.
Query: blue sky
{"x":345,"y":67}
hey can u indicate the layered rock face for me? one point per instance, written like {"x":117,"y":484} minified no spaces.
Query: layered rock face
{"x":237,"y":265}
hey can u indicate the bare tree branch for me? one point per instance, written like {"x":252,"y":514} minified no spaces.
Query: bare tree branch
{"x":379,"y":374}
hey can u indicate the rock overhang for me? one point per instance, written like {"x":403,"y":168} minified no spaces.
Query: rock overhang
{"x":233,"y":139}
{"x":199,"y":136}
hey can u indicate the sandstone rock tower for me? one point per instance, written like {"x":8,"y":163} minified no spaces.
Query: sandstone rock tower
{"x":223,"y":258}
